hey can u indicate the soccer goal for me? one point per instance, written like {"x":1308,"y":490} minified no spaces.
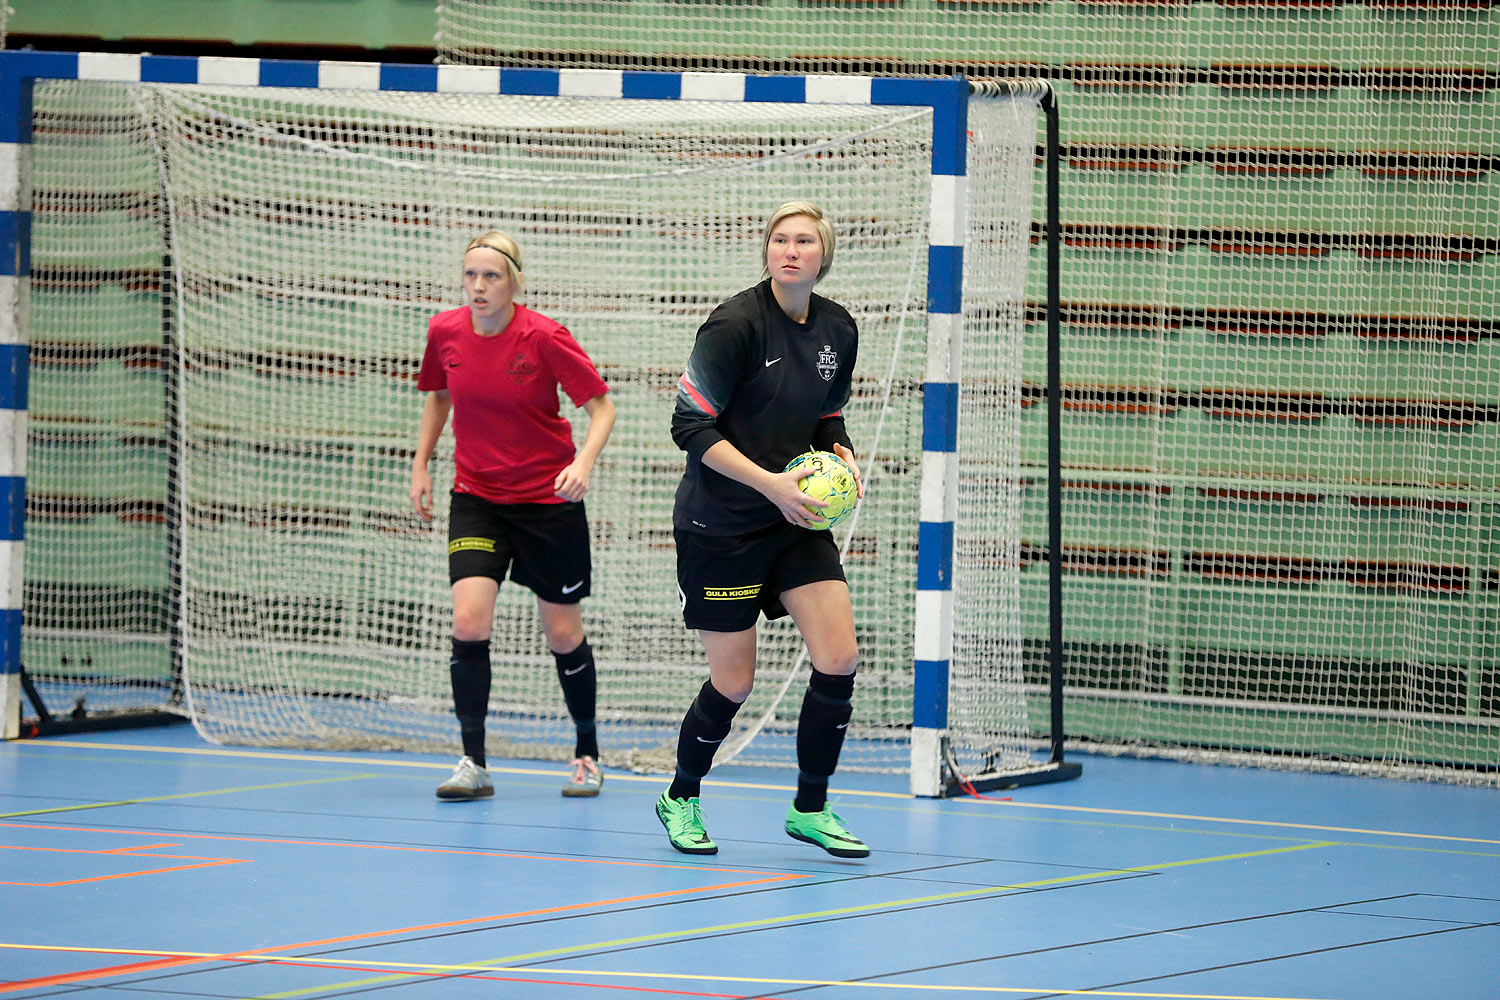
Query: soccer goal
{"x":223,"y":269}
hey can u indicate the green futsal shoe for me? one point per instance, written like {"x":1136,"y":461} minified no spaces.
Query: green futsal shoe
{"x":683,"y":819}
{"x":825,"y":829}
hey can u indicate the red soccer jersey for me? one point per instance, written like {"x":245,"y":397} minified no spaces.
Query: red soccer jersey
{"x":510,"y":438}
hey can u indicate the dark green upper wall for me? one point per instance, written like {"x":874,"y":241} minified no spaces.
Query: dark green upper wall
{"x":369,"y":24}
{"x":1350,"y":36}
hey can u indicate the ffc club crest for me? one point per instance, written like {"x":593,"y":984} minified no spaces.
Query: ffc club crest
{"x":521,"y":370}
{"x":828,"y":362}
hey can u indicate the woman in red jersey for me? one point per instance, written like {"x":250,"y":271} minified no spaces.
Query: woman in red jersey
{"x":518,"y":491}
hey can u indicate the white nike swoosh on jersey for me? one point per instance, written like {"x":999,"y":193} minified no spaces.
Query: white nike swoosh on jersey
{"x":772,"y":362}
{"x":841,"y":725}
{"x":570,"y":673}
{"x":702,"y":740}
{"x":569,"y":590}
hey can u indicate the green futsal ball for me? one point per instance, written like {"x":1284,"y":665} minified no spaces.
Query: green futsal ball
{"x":827,"y":477}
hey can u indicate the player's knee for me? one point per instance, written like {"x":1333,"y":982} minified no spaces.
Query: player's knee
{"x":562,"y":639}
{"x":838,"y":662}
{"x":735,"y":691}
{"x":470,"y":625}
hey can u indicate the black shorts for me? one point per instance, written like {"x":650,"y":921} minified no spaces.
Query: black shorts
{"x":725,"y":583}
{"x":545,"y":546}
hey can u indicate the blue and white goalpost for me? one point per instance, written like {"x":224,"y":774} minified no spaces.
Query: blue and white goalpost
{"x":15,"y":217}
{"x":249,"y":371}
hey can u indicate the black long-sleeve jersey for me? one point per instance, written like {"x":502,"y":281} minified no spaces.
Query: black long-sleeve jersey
{"x":770,"y":386}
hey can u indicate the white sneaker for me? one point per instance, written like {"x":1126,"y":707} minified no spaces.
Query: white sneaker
{"x":585,"y":781}
{"x":469,"y":781}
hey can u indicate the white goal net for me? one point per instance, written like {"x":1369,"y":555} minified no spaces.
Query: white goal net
{"x":230,"y":295}
{"x":1280,"y":309}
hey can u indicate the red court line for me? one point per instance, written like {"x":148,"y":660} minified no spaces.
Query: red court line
{"x":438,"y":974}
{"x":490,"y":977}
{"x":230,"y":957}
{"x":107,"y":878}
{"x":68,"y":977}
{"x":119,"y":853}
{"x":383,"y":847}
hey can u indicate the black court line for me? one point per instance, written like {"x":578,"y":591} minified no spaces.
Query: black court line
{"x":1399,"y":916}
{"x":790,"y":924}
{"x":1142,"y":935}
{"x":1287,"y":955}
{"x":1435,"y":895}
{"x":609,"y":912}
{"x":912,"y":868}
{"x":603,"y":912}
{"x":415,"y":979}
{"x":538,"y":852}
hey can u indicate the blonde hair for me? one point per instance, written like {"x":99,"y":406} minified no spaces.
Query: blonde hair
{"x":505,"y":246}
{"x":813,"y":212}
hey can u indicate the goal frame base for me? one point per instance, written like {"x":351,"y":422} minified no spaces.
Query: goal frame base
{"x":954,"y":786}
{"x":79,"y":720}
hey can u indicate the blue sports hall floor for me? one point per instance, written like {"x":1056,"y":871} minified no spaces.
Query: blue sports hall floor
{"x":148,"y":863}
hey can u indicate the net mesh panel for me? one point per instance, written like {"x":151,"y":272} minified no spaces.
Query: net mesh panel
{"x":1280,"y":304}
{"x":988,"y":726}
{"x":96,"y":602}
{"x":311,"y":236}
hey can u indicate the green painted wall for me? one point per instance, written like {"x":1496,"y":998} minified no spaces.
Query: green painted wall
{"x":372,"y":24}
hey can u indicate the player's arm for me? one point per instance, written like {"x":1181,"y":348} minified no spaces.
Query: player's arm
{"x":434,"y":418}
{"x":778,"y":487}
{"x":830,"y":434}
{"x":578,"y":377}
{"x":721,"y":355}
{"x":572,"y":482}
{"x":847,"y":454}
{"x":719,"y":359}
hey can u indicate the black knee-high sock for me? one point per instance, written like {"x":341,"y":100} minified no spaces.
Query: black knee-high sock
{"x":704,"y":727}
{"x":826,"y":709}
{"x":575,"y":672}
{"x":470,"y":670}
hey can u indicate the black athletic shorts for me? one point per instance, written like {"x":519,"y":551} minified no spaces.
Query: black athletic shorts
{"x":545,"y":546}
{"x":725,"y":583}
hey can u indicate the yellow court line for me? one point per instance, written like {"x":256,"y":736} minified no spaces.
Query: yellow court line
{"x":842,"y":792}
{"x":424,"y":969}
{"x":1248,"y":822}
{"x":426,"y":765}
{"x":184,"y":795}
{"x":919,"y":900}
{"x":403,"y":848}
{"x":818,"y":915}
{"x":242,"y":754}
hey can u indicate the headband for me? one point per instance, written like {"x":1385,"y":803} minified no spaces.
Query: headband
{"x":502,"y":253}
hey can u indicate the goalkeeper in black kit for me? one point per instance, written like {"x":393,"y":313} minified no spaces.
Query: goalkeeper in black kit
{"x":768,"y":378}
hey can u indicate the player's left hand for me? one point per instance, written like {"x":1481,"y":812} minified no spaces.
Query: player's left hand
{"x":848,"y":457}
{"x":572,"y":483}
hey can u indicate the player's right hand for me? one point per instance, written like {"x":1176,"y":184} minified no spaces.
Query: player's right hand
{"x":421,"y":493}
{"x":795,"y":506}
